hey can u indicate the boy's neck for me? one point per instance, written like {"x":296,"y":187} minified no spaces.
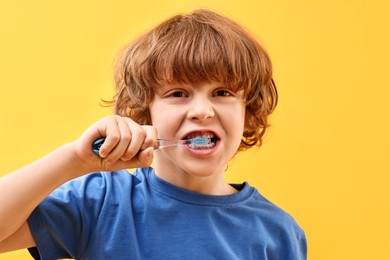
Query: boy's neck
{"x":210,"y":185}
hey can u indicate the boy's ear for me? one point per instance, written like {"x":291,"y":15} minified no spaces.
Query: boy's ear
{"x":247,"y":126}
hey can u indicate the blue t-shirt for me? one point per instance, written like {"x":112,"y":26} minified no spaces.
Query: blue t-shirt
{"x":117,"y":215}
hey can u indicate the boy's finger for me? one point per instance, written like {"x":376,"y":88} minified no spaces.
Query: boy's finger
{"x":126,"y":137}
{"x":150,"y":138}
{"x":145,"y":157}
{"x":142,"y":159}
{"x":137,"y":139}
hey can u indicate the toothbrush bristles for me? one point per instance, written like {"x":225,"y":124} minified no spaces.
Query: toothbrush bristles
{"x":200,"y":140}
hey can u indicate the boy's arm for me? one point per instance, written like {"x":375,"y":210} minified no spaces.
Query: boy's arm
{"x":22,"y":190}
{"x":128,"y":145}
{"x":22,"y":238}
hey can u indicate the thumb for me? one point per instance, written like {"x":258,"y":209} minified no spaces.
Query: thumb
{"x":145,"y":157}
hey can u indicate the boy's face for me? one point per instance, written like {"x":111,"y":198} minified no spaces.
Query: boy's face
{"x":181,"y":111}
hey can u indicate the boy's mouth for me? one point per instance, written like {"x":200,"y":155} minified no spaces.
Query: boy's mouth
{"x":202,"y":140}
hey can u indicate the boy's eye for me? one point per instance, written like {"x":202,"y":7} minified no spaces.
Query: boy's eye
{"x":177,"y":94}
{"x":222,"y":93}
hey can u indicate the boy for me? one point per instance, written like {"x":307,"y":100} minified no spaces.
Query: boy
{"x":194,"y":76}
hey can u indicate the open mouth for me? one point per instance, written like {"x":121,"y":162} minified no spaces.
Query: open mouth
{"x":202,"y":140}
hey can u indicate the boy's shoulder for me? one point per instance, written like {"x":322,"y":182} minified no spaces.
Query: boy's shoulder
{"x":273,"y":215}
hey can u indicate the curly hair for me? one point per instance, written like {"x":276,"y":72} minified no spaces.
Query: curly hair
{"x":197,"y":47}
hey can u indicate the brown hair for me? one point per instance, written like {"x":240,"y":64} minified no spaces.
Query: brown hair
{"x":200,"y":46}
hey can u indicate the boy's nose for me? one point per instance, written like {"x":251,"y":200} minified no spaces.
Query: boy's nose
{"x":201,"y":109}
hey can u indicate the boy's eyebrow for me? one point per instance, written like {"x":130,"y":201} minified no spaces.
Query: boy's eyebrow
{"x":164,"y":87}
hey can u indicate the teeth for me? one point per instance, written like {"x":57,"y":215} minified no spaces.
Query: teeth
{"x":202,"y":140}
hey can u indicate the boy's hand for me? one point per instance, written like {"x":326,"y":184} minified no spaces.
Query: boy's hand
{"x":127,"y":144}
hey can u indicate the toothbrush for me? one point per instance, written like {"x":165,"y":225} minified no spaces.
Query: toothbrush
{"x":161,"y":143}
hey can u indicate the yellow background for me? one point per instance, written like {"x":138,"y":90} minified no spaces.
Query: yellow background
{"x":325,"y":159}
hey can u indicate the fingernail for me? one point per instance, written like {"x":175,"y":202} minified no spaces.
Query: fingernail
{"x":102,"y":154}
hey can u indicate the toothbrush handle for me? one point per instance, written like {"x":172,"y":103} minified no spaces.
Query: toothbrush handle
{"x":161,"y":143}
{"x":164,"y":143}
{"x":97,"y":144}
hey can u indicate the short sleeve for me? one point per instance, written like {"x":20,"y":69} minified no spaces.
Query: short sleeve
{"x":63,"y":223}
